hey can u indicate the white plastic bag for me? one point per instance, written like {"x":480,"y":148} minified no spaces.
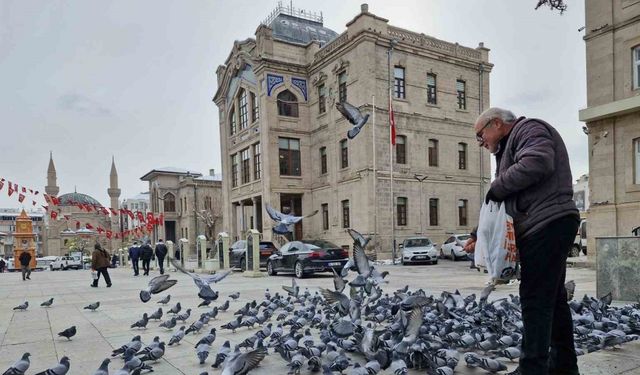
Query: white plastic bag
{"x":94,"y":275}
{"x":496,"y":244}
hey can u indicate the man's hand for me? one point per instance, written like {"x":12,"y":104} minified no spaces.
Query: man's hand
{"x":491,"y":197}
{"x":470,"y":246}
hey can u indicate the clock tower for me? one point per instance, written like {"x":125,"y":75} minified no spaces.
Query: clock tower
{"x":24,"y":239}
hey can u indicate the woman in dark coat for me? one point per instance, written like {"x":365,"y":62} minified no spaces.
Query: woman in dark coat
{"x":100,"y":263}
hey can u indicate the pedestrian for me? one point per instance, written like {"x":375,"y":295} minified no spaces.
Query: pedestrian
{"x":134,"y":254}
{"x":25,"y":264}
{"x":2,"y":265}
{"x":146,"y":253}
{"x":470,"y":247}
{"x":533,"y":180}
{"x":100,"y":263}
{"x":161,"y":252}
{"x":114,"y":260}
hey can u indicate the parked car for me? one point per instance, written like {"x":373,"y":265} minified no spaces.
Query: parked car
{"x":306,"y":257}
{"x":45,"y":262}
{"x":419,"y":250}
{"x":65,"y":262}
{"x":580,"y":241}
{"x":238,"y":253}
{"x":453,"y":247}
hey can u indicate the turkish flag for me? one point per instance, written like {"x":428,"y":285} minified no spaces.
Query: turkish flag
{"x":109,"y":234}
{"x":10,"y":189}
{"x":33,"y":203}
{"x":161,"y":220}
{"x":89,"y":226}
{"x":54,"y":215}
{"x":140,"y":216}
{"x":114,"y":211}
{"x":100,"y":230}
{"x":130,"y":213}
{"x":1,"y":184}
{"x":55,"y":201}
{"x":21,"y":197}
{"x":150,"y":217}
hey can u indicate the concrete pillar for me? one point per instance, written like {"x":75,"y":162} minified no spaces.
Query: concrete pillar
{"x":243,"y":227}
{"x":253,"y":248}
{"x":170,"y":252}
{"x":254,"y":200}
{"x":201,"y":245}
{"x":223,"y":247}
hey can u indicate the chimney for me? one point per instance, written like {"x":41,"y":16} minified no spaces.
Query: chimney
{"x":212,"y":172}
{"x":364,"y":8}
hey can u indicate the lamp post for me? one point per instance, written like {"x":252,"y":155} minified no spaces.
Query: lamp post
{"x":421,"y":179}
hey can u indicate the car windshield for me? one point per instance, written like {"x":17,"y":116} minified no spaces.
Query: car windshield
{"x":320,"y":244}
{"x":417,"y":242}
{"x":464,"y":237}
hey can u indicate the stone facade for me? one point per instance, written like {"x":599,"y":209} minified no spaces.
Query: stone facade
{"x":8,"y":218}
{"x":613,"y":116}
{"x":354,"y":63}
{"x":172,"y":193}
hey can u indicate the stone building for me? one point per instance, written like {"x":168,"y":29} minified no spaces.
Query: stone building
{"x":284,"y":144}
{"x":71,"y":217}
{"x":190,"y":203}
{"x":612,"y":116}
{"x":581,"y":194}
{"x":139,"y":202}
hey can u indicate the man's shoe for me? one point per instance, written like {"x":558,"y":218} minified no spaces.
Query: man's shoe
{"x":108,"y":285}
{"x":28,"y":278}
{"x":93,"y":286}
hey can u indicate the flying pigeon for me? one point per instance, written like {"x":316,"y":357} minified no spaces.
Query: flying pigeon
{"x":93,"y":307}
{"x":60,"y":369}
{"x":156,"y":285}
{"x":241,"y":363}
{"x":47,"y":303}
{"x":202,"y":282}
{"x":354,"y":116}
{"x":284,"y":220}
{"x":68,"y":333}
{"x":20,"y":366}
{"x":22,"y":307}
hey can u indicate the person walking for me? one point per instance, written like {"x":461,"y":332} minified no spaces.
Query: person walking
{"x":146,"y":253}
{"x":2,"y":265}
{"x":533,"y":180}
{"x":100,"y":263}
{"x":114,"y":260}
{"x":25,"y":265}
{"x":161,"y":253}
{"x":134,"y":255}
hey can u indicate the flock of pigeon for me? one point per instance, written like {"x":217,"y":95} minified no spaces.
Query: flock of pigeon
{"x":354,"y":327}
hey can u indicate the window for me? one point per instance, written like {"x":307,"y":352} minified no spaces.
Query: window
{"x":322,"y":100}
{"x":289,"y":156}
{"x":245,"y":159}
{"x":433,"y":212}
{"x":398,"y":82}
{"x":323,"y":160}
{"x":431,"y":89}
{"x":257,"y":165}
{"x":433,"y":152}
{"x":234,"y":170}
{"x":344,"y":154}
{"x":232,"y":122}
{"x":460,"y":90}
{"x":244,"y":115}
{"x":342,"y":87}
{"x":255,"y":108}
{"x":462,"y":156}
{"x":345,"y":214}
{"x":207,"y":203}
{"x":169,"y":202}
{"x":287,"y":104}
{"x":325,"y":216}
{"x":636,"y":153}
{"x":462,"y":212}
{"x":401,"y":149}
{"x":401,"y":210}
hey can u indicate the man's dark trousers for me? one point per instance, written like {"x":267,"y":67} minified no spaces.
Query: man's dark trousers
{"x":161,"y":264}
{"x":545,"y":312}
{"x":136,"y":266}
{"x":145,"y":266}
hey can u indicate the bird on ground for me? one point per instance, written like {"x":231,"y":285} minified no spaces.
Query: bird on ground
{"x":234,"y":296}
{"x":202,"y":282}
{"x":156,"y":285}
{"x":175,"y":309}
{"x":68,"y":333}
{"x":104,"y":368}
{"x":354,"y":116}
{"x":60,"y":369}
{"x":184,"y":316}
{"x":202,"y":351}
{"x":20,"y":366}
{"x":208,"y":339}
{"x":47,"y":303}
{"x":155,"y":354}
{"x":165,"y":300}
{"x":205,"y":303}
{"x":224,"y":306}
{"x":134,"y":343}
{"x":147,"y":349}
{"x":177,"y":336}
{"x":169,"y":324}
{"x":142,"y":323}
{"x":284,"y":221}
{"x":222,"y":355}
{"x":22,"y":307}
{"x":93,"y":306}
{"x":157,"y":315}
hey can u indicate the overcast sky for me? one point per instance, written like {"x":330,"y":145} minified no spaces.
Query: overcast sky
{"x":89,"y":80}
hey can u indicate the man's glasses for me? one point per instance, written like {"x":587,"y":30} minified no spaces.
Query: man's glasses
{"x":481,"y":131}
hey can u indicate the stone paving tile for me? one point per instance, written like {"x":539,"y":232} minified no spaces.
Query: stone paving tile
{"x":35,"y":330}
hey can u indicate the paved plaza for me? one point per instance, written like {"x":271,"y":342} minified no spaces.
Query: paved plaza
{"x":35,"y":330}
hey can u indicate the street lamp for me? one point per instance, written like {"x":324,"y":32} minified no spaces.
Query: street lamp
{"x":421,"y":179}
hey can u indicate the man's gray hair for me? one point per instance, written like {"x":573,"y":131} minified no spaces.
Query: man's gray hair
{"x":494,"y":112}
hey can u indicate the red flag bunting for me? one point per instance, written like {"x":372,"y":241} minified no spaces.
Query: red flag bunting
{"x":392,"y":122}
{"x":21,"y":197}
{"x":54,"y":214}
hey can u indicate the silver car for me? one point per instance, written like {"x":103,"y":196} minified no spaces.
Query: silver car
{"x":453,"y":247}
{"x":419,"y":250}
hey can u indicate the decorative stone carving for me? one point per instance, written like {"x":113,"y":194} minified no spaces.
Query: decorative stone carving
{"x":301,"y":84}
{"x":273,"y":81}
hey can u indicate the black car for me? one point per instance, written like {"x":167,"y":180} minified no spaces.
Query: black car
{"x":238,"y":253}
{"x":307,"y":257}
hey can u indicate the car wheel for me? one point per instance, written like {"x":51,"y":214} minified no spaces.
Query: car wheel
{"x":51,"y":267}
{"x":575,"y":251}
{"x":270,"y":270}
{"x":299,"y":270}
{"x":402,"y":261}
{"x":441,"y":254}
{"x":435,"y":262}
{"x":453,"y":256}
{"x":243,"y":264}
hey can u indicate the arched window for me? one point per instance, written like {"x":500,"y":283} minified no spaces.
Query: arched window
{"x":169,"y":203}
{"x":287,"y":104}
{"x":244,"y":112}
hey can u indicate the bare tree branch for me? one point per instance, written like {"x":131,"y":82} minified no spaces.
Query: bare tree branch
{"x":553,"y":4}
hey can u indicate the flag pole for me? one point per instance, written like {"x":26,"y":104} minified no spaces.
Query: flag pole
{"x":375,"y":175}
{"x":391,"y":143}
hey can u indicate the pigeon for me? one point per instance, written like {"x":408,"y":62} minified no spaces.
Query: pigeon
{"x":156,"y":285}
{"x":104,"y":368}
{"x":208,"y":339}
{"x":492,"y":365}
{"x":570,"y":287}
{"x":157,"y":315}
{"x":284,"y":221}
{"x":165,"y":300}
{"x":202,"y":350}
{"x":177,"y":336}
{"x":293,"y":290}
{"x":338,"y":282}
{"x":175,"y":309}
{"x":68,"y":333}
{"x":169,"y":324}
{"x":93,"y":307}
{"x":224,"y":306}
{"x":195,"y":327}
{"x":147,"y":349}
{"x":222,"y":355}
{"x":22,"y":307}
{"x":184,"y":316}
{"x":155,"y":354}
{"x":135,"y":343}
{"x":47,"y":303}
{"x":241,"y":363}
{"x":142,"y":323}
{"x":60,"y":369}
{"x":359,"y":238}
{"x":202,"y":282}
{"x":20,"y":366}
{"x":234,"y":296}
{"x":205,"y":303}
{"x":354,"y":116}
{"x":136,"y":365}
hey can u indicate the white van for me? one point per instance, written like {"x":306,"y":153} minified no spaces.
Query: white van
{"x":580,"y":242}
{"x":66,"y":262}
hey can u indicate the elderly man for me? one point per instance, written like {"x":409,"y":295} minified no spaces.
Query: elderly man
{"x":533,"y":179}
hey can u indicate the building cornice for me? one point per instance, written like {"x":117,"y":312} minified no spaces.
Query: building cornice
{"x":612,"y":109}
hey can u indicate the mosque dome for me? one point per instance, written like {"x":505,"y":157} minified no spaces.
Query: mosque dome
{"x":71,"y":199}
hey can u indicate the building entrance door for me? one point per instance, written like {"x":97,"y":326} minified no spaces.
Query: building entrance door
{"x":170,"y":231}
{"x":292,"y":204}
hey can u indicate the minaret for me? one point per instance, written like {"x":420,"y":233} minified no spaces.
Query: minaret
{"x":114,"y":194}
{"x":52,"y":186}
